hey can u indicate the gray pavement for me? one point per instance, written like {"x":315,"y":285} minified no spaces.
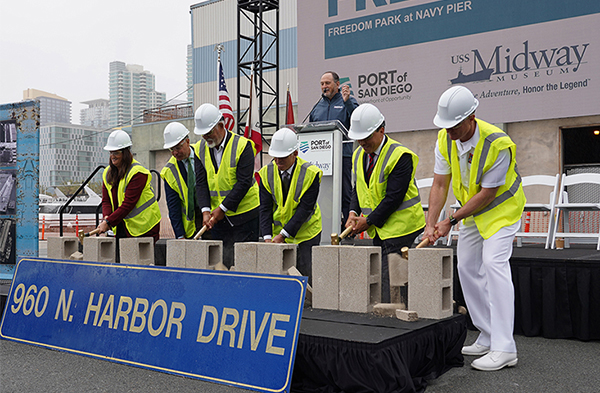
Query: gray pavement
{"x":545,"y":365}
{"x":549,"y":366}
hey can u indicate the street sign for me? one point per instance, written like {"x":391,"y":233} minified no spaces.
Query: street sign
{"x":234,"y":328}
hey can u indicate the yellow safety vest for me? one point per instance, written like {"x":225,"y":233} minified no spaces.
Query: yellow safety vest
{"x":507,"y":207}
{"x":409,"y":217}
{"x":221,"y":182}
{"x":173,"y":176}
{"x":146,"y":213}
{"x":302,"y":178}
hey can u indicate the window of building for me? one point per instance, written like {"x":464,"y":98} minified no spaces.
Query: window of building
{"x":581,"y":146}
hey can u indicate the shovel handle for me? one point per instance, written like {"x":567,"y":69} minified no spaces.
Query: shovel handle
{"x":200,"y":232}
{"x":346,"y":232}
{"x":424,"y":243}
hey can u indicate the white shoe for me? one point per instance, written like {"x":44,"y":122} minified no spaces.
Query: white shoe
{"x":475,"y":350}
{"x":495,"y":360}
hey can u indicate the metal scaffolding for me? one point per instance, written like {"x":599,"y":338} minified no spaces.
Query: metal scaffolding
{"x":258,"y":50}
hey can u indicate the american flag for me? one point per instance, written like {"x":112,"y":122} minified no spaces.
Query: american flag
{"x":224,"y":101}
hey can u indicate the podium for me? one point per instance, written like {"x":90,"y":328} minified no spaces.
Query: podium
{"x":320,"y":143}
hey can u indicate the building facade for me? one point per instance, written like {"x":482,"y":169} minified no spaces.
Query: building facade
{"x":96,"y":115}
{"x":206,"y":34}
{"x":53,"y":108}
{"x":189,"y":74}
{"x":131,"y":91}
{"x":69,"y":153}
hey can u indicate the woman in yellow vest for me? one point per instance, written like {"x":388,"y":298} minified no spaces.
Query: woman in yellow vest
{"x":385,"y":192}
{"x":129,"y":206}
{"x":289,"y":188}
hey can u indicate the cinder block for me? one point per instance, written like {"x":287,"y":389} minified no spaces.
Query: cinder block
{"x":137,"y":250}
{"x":99,"y":249}
{"x":388,"y":309}
{"x":275,"y":258}
{"x":309,"y":292}
{"x":360,"y":278}
{"x":245,"y":255}
{"x":196,"y":254}
{"x":398,"y":267}
{"x":62,"y":247}
{"x":326,"y":276}
{"x":430,"y":282}
{"x":408,"y":316}
{"x":176,"y":253}
{"x":78,"y":256}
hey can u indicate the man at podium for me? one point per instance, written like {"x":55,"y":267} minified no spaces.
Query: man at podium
{"x":337,"y":104}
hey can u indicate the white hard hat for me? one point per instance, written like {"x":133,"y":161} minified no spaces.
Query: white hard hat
{"x":455,"y":105}
{"x":207,"y":116}
{"x":174,"y":133}
{"x":283,"y":143}
{"x":117,"y":140}
{"x":365,"y":120}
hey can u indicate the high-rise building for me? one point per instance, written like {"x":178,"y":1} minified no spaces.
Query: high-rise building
{"x":69,"y":153}
{"x":97,"y":115}
{"x":190,"y":74}
{"x":131,"y":91}
{"x":53,"y":108}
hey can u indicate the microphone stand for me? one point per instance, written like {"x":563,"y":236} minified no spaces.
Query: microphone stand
{"x":309,"y":112}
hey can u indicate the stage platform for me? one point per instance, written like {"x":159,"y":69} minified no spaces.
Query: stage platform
{"x":350,"y":352}
{"x":557,"y":292}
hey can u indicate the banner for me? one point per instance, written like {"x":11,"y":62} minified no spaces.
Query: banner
{"x":523,"y":60}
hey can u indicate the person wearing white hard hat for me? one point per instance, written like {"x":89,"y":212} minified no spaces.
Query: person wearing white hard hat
{"x":129,"y":205}
{"x":289,"y":189}
{"x":180,"y":182}
{"x":385,"y":200}
{"x":336,"y":103}
{"x":478,"y":160}
{"x":226,"y":189}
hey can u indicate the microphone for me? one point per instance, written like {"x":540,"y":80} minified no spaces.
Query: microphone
{"x":309,"y":112}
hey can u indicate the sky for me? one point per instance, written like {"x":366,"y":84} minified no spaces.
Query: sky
{"x":64,"y":47}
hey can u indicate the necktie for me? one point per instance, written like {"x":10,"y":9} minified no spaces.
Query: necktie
{"x":191,"y":185}
{"x":285,"y":181}
{"x":370,"y":166}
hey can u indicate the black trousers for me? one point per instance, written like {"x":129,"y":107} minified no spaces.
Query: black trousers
{"x":390,"y":246}
{"x":224,"y":231}
{"x":346,"y":188}
{"x":304,"y":256}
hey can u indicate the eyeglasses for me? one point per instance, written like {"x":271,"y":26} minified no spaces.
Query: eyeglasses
{"x":210,"y":133}
{"x":456,"y":127}
{"x":179,"y":146}
{"x":369,"y":137}
{"x":116,"y":153}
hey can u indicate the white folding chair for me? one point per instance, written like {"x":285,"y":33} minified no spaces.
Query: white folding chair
{"x":564,"y":207}
{"x":539,"y":180}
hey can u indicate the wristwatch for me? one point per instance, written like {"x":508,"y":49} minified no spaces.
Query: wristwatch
{"x":453,"y":221}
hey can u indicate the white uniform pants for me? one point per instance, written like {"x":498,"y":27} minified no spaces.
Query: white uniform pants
{"x":484,"y":272}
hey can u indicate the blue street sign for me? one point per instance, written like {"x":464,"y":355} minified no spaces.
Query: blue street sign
{"x":234,"y":328}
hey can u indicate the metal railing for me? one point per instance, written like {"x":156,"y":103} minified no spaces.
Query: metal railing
{"x":99,"y":207}
{"x":168,"y":112}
